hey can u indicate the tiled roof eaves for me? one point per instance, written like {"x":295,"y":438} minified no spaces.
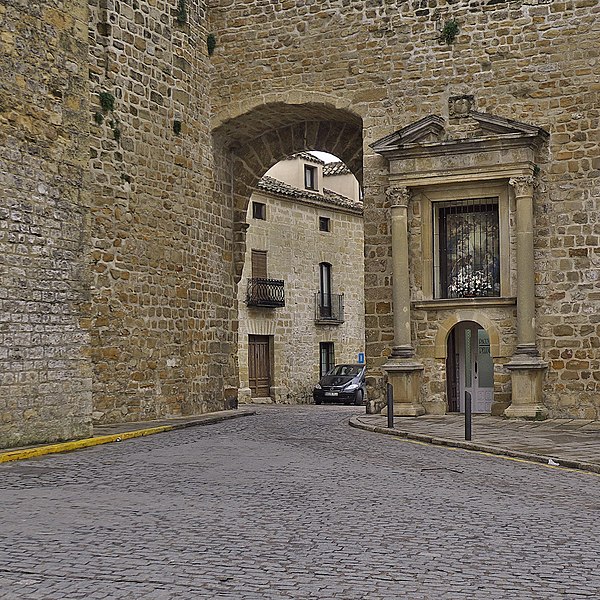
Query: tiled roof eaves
{"x":306,"y":156}
{"x":335,"y":168}
{"x":278,"y":188}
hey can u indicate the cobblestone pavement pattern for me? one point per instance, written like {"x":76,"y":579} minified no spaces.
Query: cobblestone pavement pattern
{"x":293,"y":503}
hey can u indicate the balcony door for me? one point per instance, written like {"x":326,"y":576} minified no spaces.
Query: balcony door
{"x":259,"y":264}
{"x":259,"y":366}
{"x":325,"y":289}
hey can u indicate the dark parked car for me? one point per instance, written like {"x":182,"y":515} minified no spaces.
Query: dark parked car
{"x":344,"y":383}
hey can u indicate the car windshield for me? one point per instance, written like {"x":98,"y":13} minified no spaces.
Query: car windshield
{"x":345,"y":370}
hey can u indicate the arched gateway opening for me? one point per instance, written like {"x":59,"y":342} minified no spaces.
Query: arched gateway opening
{"x":469,"y":368}
{"x":248,"y":145}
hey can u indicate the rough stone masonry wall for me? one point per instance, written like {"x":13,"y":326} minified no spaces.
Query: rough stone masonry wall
{"x":531,"y":60}
{"x":45,"y":379}
{"x":162,"y":288}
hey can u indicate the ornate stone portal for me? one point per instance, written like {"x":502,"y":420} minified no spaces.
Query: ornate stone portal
{"x":439,"y":166}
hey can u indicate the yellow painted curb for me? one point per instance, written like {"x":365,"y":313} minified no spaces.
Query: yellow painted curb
{"x":78,"y":444}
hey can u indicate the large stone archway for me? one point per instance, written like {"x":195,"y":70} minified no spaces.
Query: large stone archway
{"x":247,"y":145}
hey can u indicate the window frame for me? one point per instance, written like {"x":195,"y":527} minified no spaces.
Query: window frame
{"x":326,"y":221}
{"x":259,"y":210}
{"x":311,"y":181}
{"x":428,"y":199}
{"x":329,"y":348}
{"x":440,"y":234}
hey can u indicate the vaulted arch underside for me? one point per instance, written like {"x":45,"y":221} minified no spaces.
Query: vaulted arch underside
{"x":248,"y":145}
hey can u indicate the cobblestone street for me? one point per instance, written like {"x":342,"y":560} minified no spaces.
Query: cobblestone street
{"x":293,"y":503}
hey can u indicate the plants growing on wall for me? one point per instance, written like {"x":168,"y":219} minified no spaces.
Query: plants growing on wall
{"x":211,"y":43}
{"x":182,"y":16}
{"x":107,"y":101}
{"x":107,"y":104}
{"x":449,"y":31}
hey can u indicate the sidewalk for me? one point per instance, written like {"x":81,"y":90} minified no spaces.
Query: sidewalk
{"x":572,"y":443}
{"x":106,"y":434}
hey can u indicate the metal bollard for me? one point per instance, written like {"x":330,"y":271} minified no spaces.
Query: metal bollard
{"x":390,"y":406}
{"x":468,"y":416}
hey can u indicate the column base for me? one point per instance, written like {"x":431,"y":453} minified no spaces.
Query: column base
{"x":405,"y":377}
{"x":244,"y":396}
{"x":279,"y":394}
{"x":527,"y":373}
{"x":406,"y":351}
{"x":536,"y":412}
{"x":405,"y":410}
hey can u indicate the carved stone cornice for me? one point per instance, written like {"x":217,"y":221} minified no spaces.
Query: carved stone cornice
{"x":399,"y":197}
{"x":523,"y":186}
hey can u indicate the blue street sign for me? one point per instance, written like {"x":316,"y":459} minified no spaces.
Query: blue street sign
{"x":361,"y":358}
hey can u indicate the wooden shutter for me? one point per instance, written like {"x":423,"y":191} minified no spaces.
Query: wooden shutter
{"x":259,"y":264}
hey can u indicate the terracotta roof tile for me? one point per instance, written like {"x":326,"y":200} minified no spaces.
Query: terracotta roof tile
{"x":274,"y":186}
{"x":335,"y":168}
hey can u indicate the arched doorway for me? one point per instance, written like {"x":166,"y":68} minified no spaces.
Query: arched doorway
{"x":469,"y":368}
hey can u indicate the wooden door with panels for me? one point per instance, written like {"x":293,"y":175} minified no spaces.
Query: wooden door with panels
{"x":259,"y":366}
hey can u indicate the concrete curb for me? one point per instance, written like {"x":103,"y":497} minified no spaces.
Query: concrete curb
{"x":476,"y":447}
{"x":33,"y":452}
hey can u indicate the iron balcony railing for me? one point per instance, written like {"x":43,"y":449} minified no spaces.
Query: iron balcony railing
{"x":267,"y":293}
{"x":329,"y":308}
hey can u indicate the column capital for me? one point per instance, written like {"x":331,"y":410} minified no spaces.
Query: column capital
{"x":398,"y":196}
{"x":523,"y":186}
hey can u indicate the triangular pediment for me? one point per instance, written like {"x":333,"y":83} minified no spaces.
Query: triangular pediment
{"x":426,"y":130}
{"x":433,"y":130}
{"x":491,"y":124}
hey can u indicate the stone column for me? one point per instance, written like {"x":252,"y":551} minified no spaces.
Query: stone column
{"x":523,"y":188}
{"x":526,"y":367}
{"x":404,"y":371}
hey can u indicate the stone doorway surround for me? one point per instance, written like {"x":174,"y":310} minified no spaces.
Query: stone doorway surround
{"x":500,"y":353}
{"x":468,"y":154}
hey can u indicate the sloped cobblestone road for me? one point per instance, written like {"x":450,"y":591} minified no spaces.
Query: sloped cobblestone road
{"x":293,"y":503}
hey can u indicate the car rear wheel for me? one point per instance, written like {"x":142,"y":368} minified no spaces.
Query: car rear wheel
{"x":358,"y":399}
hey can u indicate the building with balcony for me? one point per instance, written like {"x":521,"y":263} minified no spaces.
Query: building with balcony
{"x":301,"y":296}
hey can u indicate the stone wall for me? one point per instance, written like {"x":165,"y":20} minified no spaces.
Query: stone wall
{"x":133,"y":184}
{"x":45,"y":377}
{"x":161,"y":256}
{"x":387,"y":63}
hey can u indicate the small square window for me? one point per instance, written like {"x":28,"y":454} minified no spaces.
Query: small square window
{"x":324,"y":224}
{"x":310,"y":177}
{"x":259,"y":211}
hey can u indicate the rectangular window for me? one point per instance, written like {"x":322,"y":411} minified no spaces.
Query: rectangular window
{"x":259,"y":211}
{"x":327,"y":357}
{"x":324,"y":224}
{"x":467,"y":248}
{"x":310,"y":177}
{"x":325,"y":289}
{"x":259,"y":264}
